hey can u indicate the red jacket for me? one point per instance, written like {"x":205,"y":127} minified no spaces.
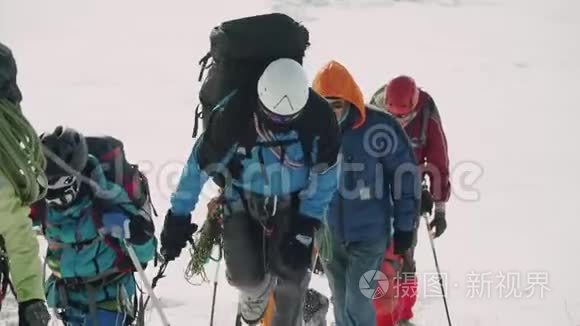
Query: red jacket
{"x":428,"y":138}
{"x":431,"y":149}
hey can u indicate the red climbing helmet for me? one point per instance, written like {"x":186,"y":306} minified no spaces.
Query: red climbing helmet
{"x":401,"y":96}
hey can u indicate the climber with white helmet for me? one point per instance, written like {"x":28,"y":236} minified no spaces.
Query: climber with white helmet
{"x":272,"y":147}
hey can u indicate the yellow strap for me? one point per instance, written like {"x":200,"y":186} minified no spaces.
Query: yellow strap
{"x":268,"y":319}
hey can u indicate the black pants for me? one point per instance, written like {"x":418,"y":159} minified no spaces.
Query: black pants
{"x":409,"y":267}
{"x":21,"y":317}
{"x":252,"y":251}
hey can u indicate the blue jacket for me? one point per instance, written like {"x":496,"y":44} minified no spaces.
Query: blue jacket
{"x":77,"y":251}
{"x":379,"y":183}
{"x":262,"y":169}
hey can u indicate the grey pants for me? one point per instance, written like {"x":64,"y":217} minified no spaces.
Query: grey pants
{"x":351,"y":262}
{"x":251,"y":254}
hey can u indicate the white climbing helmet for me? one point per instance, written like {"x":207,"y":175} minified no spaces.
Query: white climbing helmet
{"x":283,"y":90}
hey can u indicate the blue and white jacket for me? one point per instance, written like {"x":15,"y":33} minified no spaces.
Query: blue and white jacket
{"x":264,"y":170}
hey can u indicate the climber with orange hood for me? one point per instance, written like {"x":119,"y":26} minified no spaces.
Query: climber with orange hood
{"x":376,"y":202}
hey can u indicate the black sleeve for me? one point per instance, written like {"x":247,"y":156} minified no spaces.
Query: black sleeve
{"x":229,"y":124}
{"x":216,"y":142}
{"x":320,"y":121}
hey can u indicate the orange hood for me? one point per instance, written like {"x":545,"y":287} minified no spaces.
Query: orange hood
{"x":333,"y":80}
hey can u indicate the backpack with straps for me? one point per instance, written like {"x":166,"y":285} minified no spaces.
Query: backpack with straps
{"x":218,"y":142}
{"x":110,"y":153}
{"x":240,"y":51}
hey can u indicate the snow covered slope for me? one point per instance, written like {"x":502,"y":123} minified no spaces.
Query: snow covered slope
{"x":503,"y":72}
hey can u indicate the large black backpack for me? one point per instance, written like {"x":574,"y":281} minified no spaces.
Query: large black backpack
{"x":240,"y":51}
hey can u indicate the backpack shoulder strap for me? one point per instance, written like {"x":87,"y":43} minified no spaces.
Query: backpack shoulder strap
{"x":429,"y":110}
{"x":426,"y":110}
{"x":306,"y":140}
{"x":315,"y":122}
{"x":198,"y":114}
{"x":122,"y":260}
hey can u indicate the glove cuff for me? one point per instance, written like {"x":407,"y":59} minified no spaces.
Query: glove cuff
{"x":403,"y":240}
{"x":440,"y":206}
{"x":171,"y":215}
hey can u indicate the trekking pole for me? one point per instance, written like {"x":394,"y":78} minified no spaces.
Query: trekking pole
{"x":146,"y":283}
{"x":426,"y":216}
{"x":144,"y":303}
{"x":215,"y":285}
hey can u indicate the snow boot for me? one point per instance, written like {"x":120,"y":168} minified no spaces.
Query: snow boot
{"x":252,"y":304}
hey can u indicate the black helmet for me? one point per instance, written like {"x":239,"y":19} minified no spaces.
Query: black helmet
{"x":69,"y":146}
{"x":70,"y":149}
{"x":8,"y":87}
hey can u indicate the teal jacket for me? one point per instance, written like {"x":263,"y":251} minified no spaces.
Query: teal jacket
{"x":79,"y":254}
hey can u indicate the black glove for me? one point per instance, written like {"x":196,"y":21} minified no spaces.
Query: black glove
{"x":439,"y":223}
{"x":403,"y":241}
{"x":177,"y":230}
{"x":296,"y":250}
{"x":33,"y":313}
{"x":426,"y":202}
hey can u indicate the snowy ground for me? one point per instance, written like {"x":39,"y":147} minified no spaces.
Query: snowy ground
{"x":503,"y":72}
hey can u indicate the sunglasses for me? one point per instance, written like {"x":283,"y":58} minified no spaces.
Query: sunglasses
{"x":62,"y":190}
{"x":61,"y":182}
{"x":276,"y":118}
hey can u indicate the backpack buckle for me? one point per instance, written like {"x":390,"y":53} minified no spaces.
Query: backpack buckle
{"x":203,"y":64}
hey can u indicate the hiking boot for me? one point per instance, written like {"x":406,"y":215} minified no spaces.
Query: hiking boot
{"x":252,"y":306}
